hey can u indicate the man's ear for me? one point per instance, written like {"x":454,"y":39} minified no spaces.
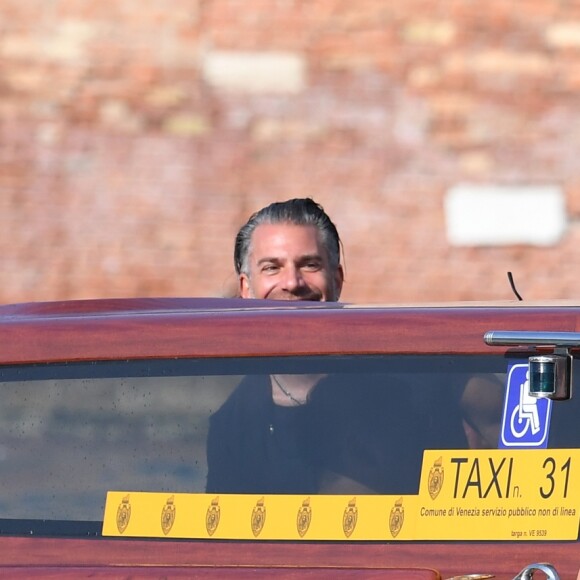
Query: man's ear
{"x":339,"y":280}
{"x":244,"y":286}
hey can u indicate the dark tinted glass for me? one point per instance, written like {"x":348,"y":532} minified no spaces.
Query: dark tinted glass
{"x":70,"y":433}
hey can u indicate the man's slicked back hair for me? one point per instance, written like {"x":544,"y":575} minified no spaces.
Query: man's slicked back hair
{"x":299,"y":212}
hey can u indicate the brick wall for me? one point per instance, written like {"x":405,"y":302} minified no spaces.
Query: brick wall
{"x":136,"y":136}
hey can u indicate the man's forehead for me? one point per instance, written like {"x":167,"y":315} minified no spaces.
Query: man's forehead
{"x":285,"y":238}
{"x":285,"y":232}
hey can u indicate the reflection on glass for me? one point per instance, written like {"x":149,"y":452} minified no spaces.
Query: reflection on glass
{"x":64,"y":444}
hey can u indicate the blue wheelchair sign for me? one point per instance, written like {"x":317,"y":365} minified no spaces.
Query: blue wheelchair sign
{"x":526,"y":419}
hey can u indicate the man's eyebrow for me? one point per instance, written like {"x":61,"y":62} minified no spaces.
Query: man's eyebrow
{"x":272,"y":260}
{"x":276,"y":260}
{"x":308,"y":257}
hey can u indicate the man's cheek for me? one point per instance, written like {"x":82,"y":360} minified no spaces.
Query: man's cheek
{"x":262,"y":288}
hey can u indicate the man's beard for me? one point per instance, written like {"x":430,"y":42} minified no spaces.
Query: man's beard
{"x":306,"y":295}
{"x":302,"y":294}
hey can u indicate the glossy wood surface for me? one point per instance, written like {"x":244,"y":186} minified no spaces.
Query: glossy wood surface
{"x":503,"y":560}
{"x":141,"y":329}
{"x":133,"y":329}
{"x":201,"y":572}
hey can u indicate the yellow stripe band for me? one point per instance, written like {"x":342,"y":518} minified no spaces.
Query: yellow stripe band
{"x":463,"y":495}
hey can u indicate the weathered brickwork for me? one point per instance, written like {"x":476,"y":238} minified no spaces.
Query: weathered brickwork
{"x":136,"y":136}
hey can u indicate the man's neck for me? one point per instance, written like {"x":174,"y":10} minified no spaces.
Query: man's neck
{"x":292,"y":390}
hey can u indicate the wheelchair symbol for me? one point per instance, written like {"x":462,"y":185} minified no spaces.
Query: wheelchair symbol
{"x":525,"y":419}
{"x":525,"y":414}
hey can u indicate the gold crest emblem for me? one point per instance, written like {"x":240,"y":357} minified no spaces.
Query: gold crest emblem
{"x":304,"y":518}
{"x":258,"y":517}
{"x":397,"y":518}
{"x":350,"y":517}
{"x":168,"y":515}
{"x":436,"y":476}
{"x":212,"y":516}
{"x":123,"y":514}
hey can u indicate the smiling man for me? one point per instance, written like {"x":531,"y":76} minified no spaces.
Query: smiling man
{"x":259,"y":439}
{"x":289,"y":251}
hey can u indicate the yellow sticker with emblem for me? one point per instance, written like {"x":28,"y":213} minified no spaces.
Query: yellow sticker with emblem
{"x":531,"y":494}
{"x":259,"y":517}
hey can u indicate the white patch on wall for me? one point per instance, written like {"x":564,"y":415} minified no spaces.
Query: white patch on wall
{"x":254,"y":72}
{"x":499,"y":215}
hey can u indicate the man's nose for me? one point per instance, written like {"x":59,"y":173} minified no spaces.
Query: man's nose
{"x":293,"y":278}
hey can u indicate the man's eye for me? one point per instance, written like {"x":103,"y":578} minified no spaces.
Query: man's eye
{"x":312,"y":266}
{"x":270,"y":268}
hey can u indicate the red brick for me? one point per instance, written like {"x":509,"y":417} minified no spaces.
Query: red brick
{"x":123,"y":173}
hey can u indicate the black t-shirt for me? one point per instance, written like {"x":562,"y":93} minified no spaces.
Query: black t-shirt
{"x":354,"y":427}
{"x":255,"y":446}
